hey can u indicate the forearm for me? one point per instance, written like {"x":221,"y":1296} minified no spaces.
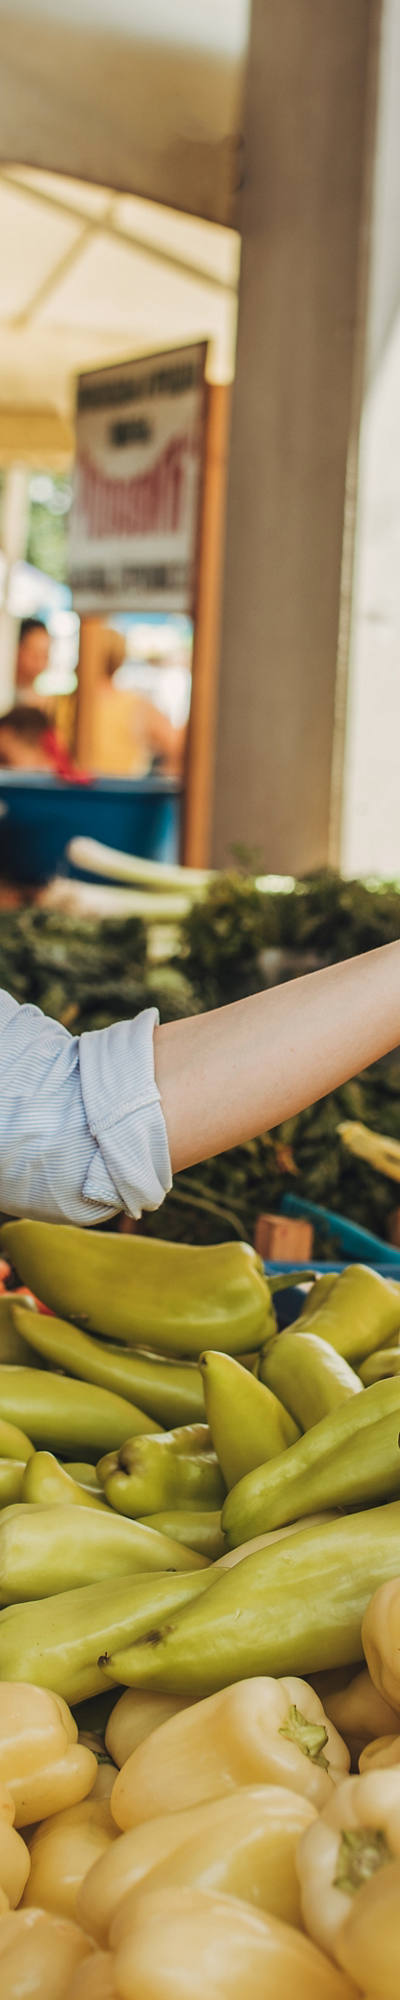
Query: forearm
{"x":226,"y":1076}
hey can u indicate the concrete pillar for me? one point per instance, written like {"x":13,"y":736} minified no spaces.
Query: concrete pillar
{"x":309,"y":132}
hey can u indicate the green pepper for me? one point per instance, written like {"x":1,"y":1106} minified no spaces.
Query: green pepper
{"x":385,"y":1362}
{"x":308,"y":1374}
{"x":173,"y":1297}
{"x":248,"y":1424}
{"x":357,"y":1314}
{"x":170,"y":1392}
{"x":48,"y":1484}
{"x":317,"y":1295}
{"x":13,"y":1442}
{"x":351,"y":1458}
{"x":201,"y":1530}
{"x":83,"y":1473}
{"x":177,"y":1468}
{"x":12,"y":1347}
{"x":58,"y":1642}
{"x":295,"y":1607}
{"x":11,"y":1477}
{"x":44,"y":1550}
{"x":63,"y":1415}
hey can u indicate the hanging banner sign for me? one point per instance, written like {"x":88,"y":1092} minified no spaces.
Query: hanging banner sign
{"x":139,"y":458}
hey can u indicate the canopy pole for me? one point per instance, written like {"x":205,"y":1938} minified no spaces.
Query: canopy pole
{"x":14,"y":516}
{"x":309,"y":140}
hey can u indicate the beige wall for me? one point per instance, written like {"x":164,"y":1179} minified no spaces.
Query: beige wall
{"x":309,"y":142}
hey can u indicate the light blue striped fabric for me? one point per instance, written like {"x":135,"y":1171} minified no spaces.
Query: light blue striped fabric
{"x":82,"y":1131}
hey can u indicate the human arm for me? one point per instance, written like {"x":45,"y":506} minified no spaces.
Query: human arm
{"x":223,"y":1077}
{"x":164,"y":740}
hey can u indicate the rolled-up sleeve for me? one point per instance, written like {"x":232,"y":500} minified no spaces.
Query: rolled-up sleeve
{"x":82,"y":1131}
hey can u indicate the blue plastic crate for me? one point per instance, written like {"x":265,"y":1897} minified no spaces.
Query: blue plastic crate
{"x":352,"y":1243}
{"x":40,"y":814}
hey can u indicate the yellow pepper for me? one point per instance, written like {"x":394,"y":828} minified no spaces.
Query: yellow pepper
{"x":368,"y":1942}
{"x":135,"y":1716}
{"x":62,"y":1850}
{"x":130,"y":1858}
{"x":381,"y":1754}
{"x":380,"y":1633}
{"x":14,"y":1857}
{"x":219,"y":1946}
{"x":106,"y":1770}
{"x":41,"y":1761}
{"x":38,"y":1955}
{"x":243,"y":1845}
{"x":360,"y":1713}
{"x":94,"y":1979}
{"x":356,"y":1835}
{"x":259,"y":1731}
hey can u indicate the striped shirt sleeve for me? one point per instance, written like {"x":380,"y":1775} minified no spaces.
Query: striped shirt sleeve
{"x":82,"y":1130}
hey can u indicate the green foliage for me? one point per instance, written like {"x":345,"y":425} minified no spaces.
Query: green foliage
{"x":225,"y":935}
{"x":47,"y":529}
{"x":337,"y":918}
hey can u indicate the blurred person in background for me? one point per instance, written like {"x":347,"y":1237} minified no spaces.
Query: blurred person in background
{"x":132,"y":734}
{"x":33,"y":653}
{"x":29,"y":743}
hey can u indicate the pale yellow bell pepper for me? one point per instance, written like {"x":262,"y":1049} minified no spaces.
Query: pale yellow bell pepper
{"x":259,"y":1731}
{"x":94,"y":1980}
{"x":381,"y":1754}
{"x":356,"y":1835}
{"x":14,"y":1856}
{"x":368,"y":1942}
{"x":130,"y":1858}
{"x":7,"y":1807}
{"x":135,"y":1716}
{"x":106,"y":1770}
{"x":360,"y":1713}
{"x":62,"y":1851}
{"x":187,"y":1943}
{"x":38,"y":1955}
{"x":41,"y":1761}
{"x":380,"y":1633}
{"x":243,"y":1845}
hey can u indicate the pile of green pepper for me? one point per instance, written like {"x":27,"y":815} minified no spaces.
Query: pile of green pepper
{"x":188,"y":1496}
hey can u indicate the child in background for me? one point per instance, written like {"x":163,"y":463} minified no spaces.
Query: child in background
{"x":28,"y":742}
